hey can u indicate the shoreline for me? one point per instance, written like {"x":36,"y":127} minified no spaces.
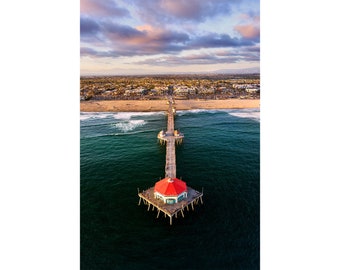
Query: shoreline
{"x":161,"y":105}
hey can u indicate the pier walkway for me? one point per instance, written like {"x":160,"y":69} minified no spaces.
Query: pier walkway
{"x":170,"y":160}
{"x":170,"y":137}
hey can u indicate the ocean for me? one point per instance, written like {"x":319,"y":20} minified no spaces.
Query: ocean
{"x":220,"y":154}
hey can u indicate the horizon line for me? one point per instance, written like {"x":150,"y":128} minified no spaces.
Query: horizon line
{"x":169,"y":74}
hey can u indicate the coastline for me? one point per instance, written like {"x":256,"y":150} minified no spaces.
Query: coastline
{"x":161,"y":105}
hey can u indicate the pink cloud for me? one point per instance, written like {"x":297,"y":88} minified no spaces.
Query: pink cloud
{"x":102,"y":8}
{"x":150,"y":36}
{"x":250,"y":27}
{"x":182,"y":8}
{"x":248,"y":31}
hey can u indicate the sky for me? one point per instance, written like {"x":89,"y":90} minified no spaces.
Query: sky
{"x":128,"y":37}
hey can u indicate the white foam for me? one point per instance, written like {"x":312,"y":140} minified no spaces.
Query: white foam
{"x":197,"y":110}
{"x":94,"y":115}
{"x":243,"y":113}
{"x":116,"y":115}
{"x":124,"y":115}
{"x":194,"y":111}
{"x":129,"y":115}
{"x":247,"y":114}
{"x":129,"y":125}
{"x":183,"y":112}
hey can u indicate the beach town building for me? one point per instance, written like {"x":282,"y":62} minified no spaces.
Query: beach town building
{"x":252,"y":90}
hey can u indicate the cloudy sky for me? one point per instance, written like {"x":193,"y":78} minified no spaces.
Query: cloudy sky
{"x":167,"y":36}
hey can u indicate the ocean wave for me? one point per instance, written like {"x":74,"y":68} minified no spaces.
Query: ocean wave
{"x":242,"y":113}
{"x":127,"y":126}
{"x":129,"y":115}
{"x":94,"y":115}
{"x":194,"y":111}
{"x":112,"y":134}
{"x":247,"y":113}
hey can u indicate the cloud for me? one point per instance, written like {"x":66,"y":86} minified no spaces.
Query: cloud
{"x":194,"y":10}
{"x":125,"y":40}
{"x":170,"y":11}
{"x":150,"y":28}
{"x":88,"y":26}
{"x":117,"y":32}
{"x":251,"y":29}
{"x":102,"y":8}
{"x":213,"y":40}
{"x":186,"y":60}
{"x":90,"y":30}
{"x":85,"y":51}
{"x":204,"y":58}
{"x":142,"y":40}
{"x":248,"y":31}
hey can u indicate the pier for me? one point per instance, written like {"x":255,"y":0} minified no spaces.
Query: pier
{"x":170,"y":138}
{"x":171,"y":195}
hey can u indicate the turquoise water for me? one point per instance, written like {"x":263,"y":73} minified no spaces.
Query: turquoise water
{"x":220,"y":153}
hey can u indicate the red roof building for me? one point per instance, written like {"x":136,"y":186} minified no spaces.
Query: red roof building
{"x":170,"y":190}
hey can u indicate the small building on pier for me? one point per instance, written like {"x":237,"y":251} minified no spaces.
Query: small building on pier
{"x":170,"y":190}
{"x":161,"y":134}
{"x":177,"y":133}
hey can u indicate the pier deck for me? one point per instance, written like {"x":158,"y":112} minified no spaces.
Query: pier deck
{"x":170,"y":159}
{"x":170,"y":210}
{"x":170,"y":138}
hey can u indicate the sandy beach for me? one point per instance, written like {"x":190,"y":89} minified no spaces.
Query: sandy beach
{"x":161,"y":105}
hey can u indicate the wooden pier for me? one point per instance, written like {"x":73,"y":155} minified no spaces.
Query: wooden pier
{"x":170,"y":137}
{"x":170,"y":210}
{"x":193,"y":197}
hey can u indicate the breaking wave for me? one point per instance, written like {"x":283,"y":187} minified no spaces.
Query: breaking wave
{"x":246,"y":113}
{"x":127,"y":126}
{"x":115,"y":115}
{"x":94,"y":115}
{"x":184,"y":112}
{"x":129,"y":115}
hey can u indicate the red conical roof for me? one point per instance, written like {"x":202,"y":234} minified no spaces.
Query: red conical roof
{"x":170,"y":186}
